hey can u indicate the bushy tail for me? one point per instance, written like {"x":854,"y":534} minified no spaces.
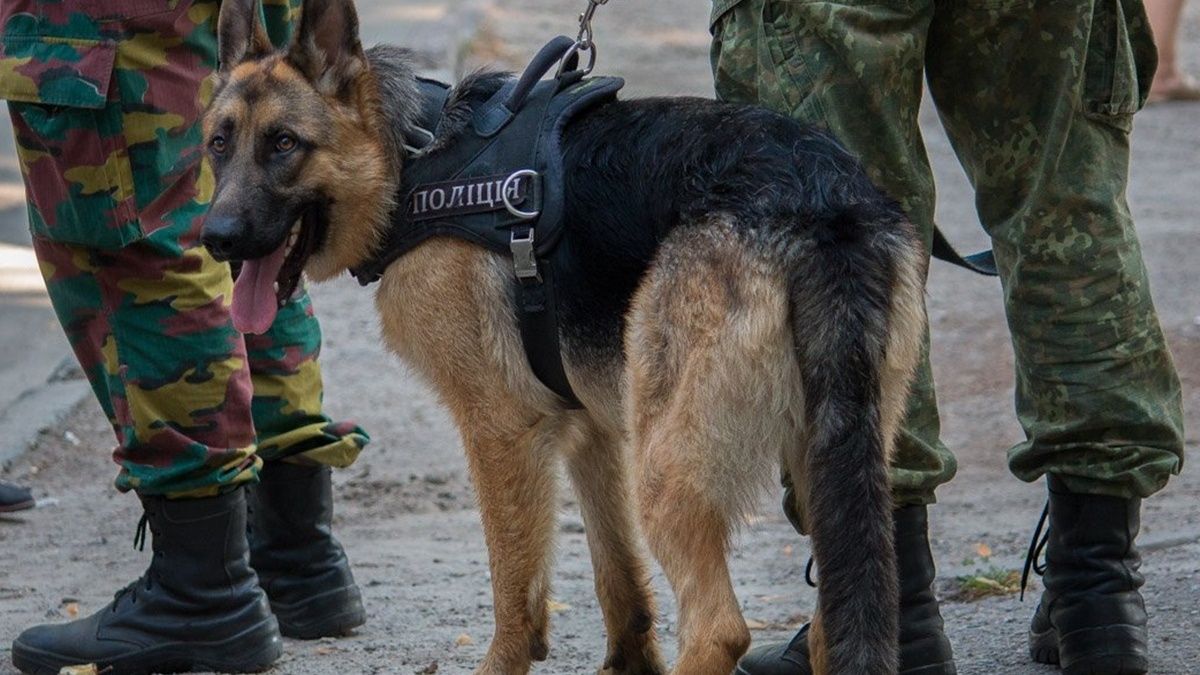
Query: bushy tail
{"x":841,"y":301}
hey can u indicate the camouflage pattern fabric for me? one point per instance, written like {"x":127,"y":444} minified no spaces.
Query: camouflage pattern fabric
{"x":105,"y":99}
{"x":1037,"y":97}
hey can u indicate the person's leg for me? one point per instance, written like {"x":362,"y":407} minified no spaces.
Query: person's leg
{"x":116,"y":196}
{"x":287,"y":407}
{"x":106,"y":116}
{"x":176,"y":387}
{"x":855,"y":68}
{"x":300,"y":564}
{"x":1097,"y":393}
{"x":1044,"y":136}
{"x":168,"y":370}
{"x":1169,"y":82}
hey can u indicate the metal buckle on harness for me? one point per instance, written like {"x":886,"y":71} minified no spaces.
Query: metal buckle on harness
{"x":520,"y":243}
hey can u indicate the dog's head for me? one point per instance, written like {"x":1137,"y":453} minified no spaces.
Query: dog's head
{"x":293,"y":137}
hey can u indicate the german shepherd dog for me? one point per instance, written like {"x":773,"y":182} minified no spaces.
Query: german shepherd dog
{"x":740,"y":298}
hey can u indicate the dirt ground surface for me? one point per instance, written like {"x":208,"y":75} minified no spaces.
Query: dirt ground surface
{"x":406,"y":510}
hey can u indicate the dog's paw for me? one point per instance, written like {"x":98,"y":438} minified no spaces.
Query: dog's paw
{"x":643,"y":669}
{"x":647,"y":662}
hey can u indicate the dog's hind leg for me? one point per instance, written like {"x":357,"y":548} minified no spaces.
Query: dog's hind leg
{"x":598,"y":471}
{"x":689,"y":537}
{"x":712,"y":378}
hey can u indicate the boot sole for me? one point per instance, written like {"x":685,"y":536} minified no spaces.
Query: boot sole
{"x":1093,"y":645}
{"x":934,"y":669}
{"x":19,"y":506}
{"x":175,"y":657}
{"x":330,"y":614}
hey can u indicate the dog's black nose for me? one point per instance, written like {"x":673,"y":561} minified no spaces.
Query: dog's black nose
{"x":220,"y":236}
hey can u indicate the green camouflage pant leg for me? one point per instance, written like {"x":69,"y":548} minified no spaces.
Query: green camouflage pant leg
{"x":854,"y":66}
{"x":833,"y":65}
{"x":172,"y":381}
{"x":106,"y":101}
{"x":1038,"y":99}
{"x":288,"y":412}
{"x":281,"y":16}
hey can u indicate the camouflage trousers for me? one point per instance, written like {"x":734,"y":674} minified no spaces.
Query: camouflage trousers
{"x":106,"y":100}
{"x":1037,"y":97}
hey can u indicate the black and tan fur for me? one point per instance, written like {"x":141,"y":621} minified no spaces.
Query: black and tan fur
{"x":737,"y":296}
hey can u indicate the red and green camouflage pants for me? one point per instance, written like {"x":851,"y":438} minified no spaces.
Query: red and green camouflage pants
{"x":106,"y":99}
{"x":1037,"y":97}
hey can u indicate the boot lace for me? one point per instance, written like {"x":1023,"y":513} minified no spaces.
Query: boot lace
{"x":139,"y":543}
{"x":139,"y":534}
{"x":1037,"y":545}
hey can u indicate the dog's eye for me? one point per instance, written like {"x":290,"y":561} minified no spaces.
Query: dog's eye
{"x":285,"y":143}
{"x":217,"y":144}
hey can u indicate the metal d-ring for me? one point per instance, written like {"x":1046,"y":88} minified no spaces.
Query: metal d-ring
{"x":589,"y":46}
{"x":516,"y":176}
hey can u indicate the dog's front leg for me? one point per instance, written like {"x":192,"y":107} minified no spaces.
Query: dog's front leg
{"x":515,"y":478}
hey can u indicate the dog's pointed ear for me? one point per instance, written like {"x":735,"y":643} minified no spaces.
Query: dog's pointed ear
{"x":326,"y":48}
{"x":240,"y":33}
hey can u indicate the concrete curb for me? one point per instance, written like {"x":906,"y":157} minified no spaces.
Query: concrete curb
{"x":34,"y":411}
{"x":39,"y":381}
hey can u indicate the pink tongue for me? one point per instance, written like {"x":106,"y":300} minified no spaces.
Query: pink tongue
{"x":254,"y":300}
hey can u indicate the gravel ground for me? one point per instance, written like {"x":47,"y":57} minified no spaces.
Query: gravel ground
{"x":406,"y":511}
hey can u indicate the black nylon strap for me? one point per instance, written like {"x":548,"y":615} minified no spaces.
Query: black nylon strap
{"x":433,"y":101}
{"x":537,"y":317}
{"x":983,"y":262}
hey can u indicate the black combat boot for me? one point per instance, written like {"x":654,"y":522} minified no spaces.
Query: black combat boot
{"x":198,"y":606}
{"x":924,"y":649}
{"x":1091,"y":619}
{"x":15,"y":498}
{"x":301,"y":566}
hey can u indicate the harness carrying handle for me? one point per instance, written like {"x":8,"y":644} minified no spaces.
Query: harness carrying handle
{"x":551,"y":54}
{"x":499,"y":111}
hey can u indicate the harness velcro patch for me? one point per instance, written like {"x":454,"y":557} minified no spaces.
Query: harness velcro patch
{"x":480,"y":194}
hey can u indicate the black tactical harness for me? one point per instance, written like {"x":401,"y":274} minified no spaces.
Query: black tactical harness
{"x":500,"y":185}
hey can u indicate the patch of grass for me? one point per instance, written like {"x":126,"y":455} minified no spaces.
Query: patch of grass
{"x":993,"y":581}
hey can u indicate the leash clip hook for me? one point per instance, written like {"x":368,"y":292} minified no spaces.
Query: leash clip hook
{"x":586,"y":36}
{"x":585,"y":41}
